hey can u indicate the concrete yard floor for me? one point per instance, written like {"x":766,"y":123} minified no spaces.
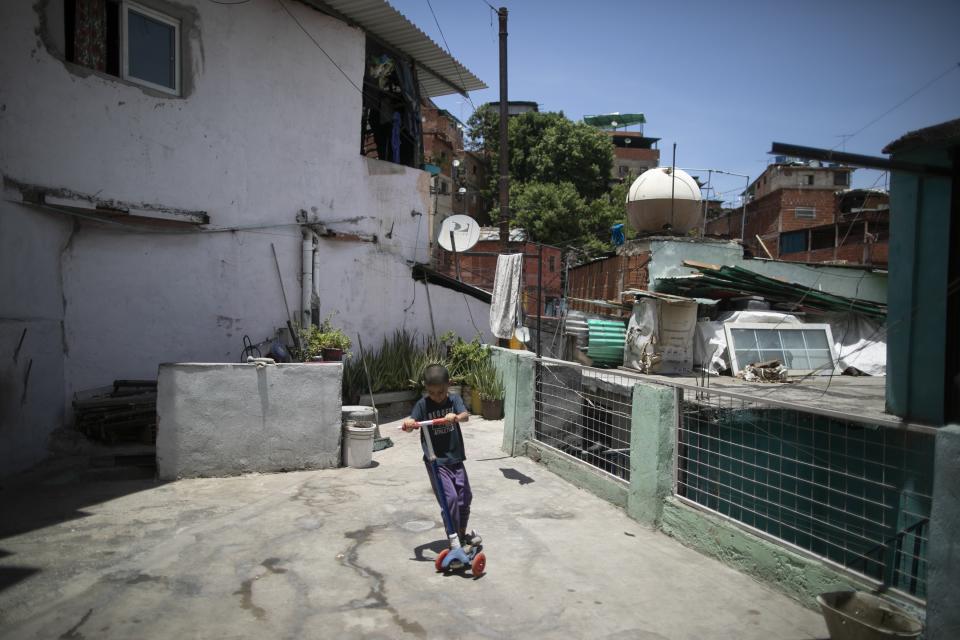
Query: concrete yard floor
{"x":348,"y":553}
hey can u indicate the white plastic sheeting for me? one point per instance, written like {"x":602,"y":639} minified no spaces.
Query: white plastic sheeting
{"x":859,"y":342}
{"x":710,"y":343}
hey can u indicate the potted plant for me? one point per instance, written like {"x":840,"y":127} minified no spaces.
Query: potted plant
{"x":327,"y":341}
{"x":465,"y":358}
{"x":491,"y":392}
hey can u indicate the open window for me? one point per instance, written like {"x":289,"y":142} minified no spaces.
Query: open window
{"x":124,"y":39}
{"x":803,"y":348}
{"x":391,"y":125}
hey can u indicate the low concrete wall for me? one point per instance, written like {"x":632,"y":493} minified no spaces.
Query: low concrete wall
{"x":516,"y":369}
{"x":943,"y":552}
{"x":652,"y":437}
{"x":228,"y":419}
{"x":580,"y":474}
{"x":648,"y":497}
{"x":795,"y":575}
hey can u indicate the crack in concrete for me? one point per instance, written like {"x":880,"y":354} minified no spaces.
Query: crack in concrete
{"x":376,"y":598}
{"x":73,"y":632}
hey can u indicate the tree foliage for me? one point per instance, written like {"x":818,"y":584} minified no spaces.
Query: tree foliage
{"x":559,"y":177}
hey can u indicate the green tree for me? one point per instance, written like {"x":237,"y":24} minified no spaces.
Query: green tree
{"x":559,"y":177}
{"x":550,"y":213}
{"x":545,"y":147}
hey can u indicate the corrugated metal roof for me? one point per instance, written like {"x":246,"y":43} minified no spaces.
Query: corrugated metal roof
{"x":439,"y":73}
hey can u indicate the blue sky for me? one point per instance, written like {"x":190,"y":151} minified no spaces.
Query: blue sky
{"x":721,"y":79}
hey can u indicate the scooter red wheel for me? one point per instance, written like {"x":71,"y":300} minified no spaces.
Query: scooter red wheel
{"x":439,"y":561}
{"x":479,"y":564}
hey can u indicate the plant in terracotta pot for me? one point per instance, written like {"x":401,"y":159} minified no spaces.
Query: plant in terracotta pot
{"x":329,"y":341}
{"x":491,"y":391}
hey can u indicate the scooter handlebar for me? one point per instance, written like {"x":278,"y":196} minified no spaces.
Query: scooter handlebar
{"x":427,"y":423}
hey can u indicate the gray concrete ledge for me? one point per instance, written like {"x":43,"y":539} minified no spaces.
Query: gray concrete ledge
{"x":229,"y":419}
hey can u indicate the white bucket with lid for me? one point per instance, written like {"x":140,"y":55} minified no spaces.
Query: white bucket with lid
{"x":358,"y":443}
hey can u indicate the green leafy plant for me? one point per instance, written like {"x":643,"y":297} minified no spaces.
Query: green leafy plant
{"x":313,"y":340}
{"x":485,"y":380}
{"x":464,"y":357}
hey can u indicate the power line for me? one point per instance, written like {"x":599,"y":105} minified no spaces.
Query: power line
{"x":847,"y":137}
{"x":456,"y":65}
{"x":314,"y":40}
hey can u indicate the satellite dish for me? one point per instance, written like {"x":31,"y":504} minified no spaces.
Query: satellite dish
{"x":466,"y":233}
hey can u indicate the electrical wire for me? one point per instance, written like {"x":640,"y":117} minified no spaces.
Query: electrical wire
{"x":847,"y":137}
{"x":322,"y":50}
{"x":456,"y":65}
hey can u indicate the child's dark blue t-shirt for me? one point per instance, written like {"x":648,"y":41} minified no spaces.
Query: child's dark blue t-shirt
{"x":447,"y":438}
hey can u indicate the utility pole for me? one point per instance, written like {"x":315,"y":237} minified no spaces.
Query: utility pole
{"x":504,"y":151}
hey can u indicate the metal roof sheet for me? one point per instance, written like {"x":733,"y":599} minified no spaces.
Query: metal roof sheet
{"x":439,"y":73}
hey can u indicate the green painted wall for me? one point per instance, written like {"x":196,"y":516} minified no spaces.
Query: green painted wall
{"x":580,"y":474}
{"x":808,"y":479}
{"x":651,"y":451}
{"x":788,"y":572}
{"x":516,"y":369}
{"x":916,"y":321}
{"x":943,"y":614}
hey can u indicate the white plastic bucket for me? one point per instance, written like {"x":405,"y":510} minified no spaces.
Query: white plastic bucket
{"x":358,"y":444}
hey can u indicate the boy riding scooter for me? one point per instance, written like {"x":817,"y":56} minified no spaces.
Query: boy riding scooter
{"x":439,"y":415}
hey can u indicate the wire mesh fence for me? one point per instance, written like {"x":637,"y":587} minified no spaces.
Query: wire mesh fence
{"x":585,"y":413}
{"x":855,"y":493}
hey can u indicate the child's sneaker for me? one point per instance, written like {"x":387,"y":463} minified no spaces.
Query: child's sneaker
{"x":471,"y":539}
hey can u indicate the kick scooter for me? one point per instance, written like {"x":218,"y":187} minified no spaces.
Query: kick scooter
{"x":471,"y":556}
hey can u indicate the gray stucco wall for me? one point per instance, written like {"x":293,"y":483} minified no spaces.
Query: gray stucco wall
{"x":943,"y":554}
{"x":228,"y":419}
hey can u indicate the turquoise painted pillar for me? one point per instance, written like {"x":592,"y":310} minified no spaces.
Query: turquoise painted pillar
{"x":517,"y":371}
{"x":918,"y":290}
{"x":652,"y":444}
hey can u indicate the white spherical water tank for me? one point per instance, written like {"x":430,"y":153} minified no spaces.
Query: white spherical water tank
{"x":649,"y":207}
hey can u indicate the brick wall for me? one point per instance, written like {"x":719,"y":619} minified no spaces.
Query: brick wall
{"x":824,"y":201}
{"x":606,"y":279}
{"x":478,"y":267}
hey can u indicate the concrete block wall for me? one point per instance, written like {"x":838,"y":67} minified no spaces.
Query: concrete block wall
{"x":227,"y":419}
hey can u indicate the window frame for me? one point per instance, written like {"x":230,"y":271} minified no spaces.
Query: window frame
{"x":796,"y":233}
{"x":732,"y":351}
{"x":125,"y":7}
{"x":797,"y":216}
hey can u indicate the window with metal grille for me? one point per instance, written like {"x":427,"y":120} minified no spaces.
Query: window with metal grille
{"x":805,"y":212}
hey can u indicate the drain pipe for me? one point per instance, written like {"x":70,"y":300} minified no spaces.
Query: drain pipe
{"x":306,"y":277}
{"x":315,"y":294}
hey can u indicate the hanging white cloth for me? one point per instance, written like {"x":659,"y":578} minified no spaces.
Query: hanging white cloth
{"x":505,"y":301}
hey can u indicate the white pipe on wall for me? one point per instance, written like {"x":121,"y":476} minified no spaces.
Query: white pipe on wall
{"x":306,"y":277}
{"x":315,"y":294}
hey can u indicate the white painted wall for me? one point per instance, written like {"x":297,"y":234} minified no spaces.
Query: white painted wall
{"x":267,"y":127}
